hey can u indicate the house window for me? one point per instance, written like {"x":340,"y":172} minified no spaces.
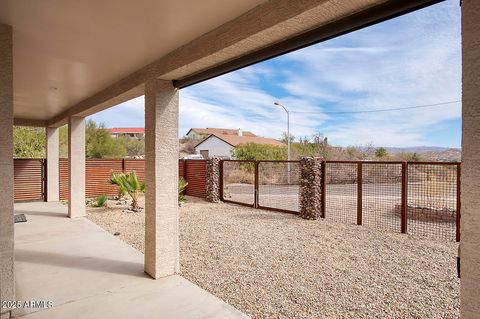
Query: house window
{"x":204,"y":153}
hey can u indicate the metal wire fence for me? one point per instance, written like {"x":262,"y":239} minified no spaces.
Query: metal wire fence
{"x":418,"y":198}
{"x":341,"y":191}
{"x":381,"y":194}
{"x":238,"y":182}
{"x":433,"y":199}
{"x":279,"y":186}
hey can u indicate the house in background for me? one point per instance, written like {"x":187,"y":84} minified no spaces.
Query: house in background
{"x":199,"y":133}
{"x":130,"y":132}
{"x":221,"y":142}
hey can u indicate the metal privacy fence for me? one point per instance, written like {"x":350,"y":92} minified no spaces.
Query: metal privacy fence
{"x":30,"y":177}
{"x":419,"y":198}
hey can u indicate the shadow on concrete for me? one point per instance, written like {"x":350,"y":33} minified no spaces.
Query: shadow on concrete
{"x":81,"y":262}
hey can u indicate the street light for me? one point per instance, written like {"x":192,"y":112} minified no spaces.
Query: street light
{"x":288,"y":136}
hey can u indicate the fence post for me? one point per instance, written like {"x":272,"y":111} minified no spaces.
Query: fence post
{"x":310,"y":187}
{"x":45,"y":179}
{"x":324,"y":188}
{"x":212,"y":180}
{"x":123,"y":166}
{"x":359,"y":193}
{"x":221,"y":180}
{"x":459,"y":203}
{"x":255,"y":201}
{"x":404,"y":207}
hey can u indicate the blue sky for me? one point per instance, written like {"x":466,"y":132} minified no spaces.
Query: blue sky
{"x":411,"y":60}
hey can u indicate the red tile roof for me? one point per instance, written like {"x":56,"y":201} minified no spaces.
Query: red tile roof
{"x":219,"y":131}
{"x":127,"y":130}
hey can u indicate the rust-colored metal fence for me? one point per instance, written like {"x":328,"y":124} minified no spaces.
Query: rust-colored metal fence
{"x":419,"y":198}
{"x":279,"y":186}
{"x":30,"y":177}
{"x":237,"y":182}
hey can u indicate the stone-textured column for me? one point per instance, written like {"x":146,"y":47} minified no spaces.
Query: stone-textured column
{"x":76,"y":163}
{"x":311,"y":187}
{"x":7,"y":281}
{"x":470,"y":219}
{"x":53,"y":187}
{"x":161,"y":178}
{"x":213,"y":180}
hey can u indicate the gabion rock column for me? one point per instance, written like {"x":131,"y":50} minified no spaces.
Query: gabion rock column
{"x":311,"y":187}
{"x":213,"y":180}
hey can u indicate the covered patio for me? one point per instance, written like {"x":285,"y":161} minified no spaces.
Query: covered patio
{"x":61,"y":61}
{"x":82,"y":269}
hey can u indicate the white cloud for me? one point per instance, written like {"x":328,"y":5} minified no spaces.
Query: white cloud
{"x":411,"y":60}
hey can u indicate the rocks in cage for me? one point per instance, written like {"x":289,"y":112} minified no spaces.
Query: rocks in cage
{"x":311,"y":187}
{"x":212,"y":180}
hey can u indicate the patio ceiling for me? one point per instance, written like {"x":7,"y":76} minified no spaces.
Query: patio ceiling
{"x":80,"y":57}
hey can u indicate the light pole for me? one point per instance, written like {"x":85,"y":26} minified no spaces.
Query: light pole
{"x":288,"y":136}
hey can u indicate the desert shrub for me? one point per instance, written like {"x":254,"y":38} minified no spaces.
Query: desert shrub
{"x":100,"y":201}
{"x":242,"y":176}
{"x":129,"y":184}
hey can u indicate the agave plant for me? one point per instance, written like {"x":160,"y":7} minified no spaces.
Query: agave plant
{"x":115,"y":180}
{"x":129,"y":184}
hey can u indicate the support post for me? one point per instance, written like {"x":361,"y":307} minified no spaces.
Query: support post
{"x":53,"y":180}
{"x":76,"y":162}
{"x":161,"y":178}
{"x":359,"y":194}
{"x":7,"y":259}
{"x":470,"y":196}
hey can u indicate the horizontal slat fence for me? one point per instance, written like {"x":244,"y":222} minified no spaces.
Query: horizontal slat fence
{"x":194,"y":171}
{"x":98,"y":173}
{"x":28,"y":179}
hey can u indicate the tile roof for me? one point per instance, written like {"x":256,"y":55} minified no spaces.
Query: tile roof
{"x":127,"y":130}
{"x":219,"y":131}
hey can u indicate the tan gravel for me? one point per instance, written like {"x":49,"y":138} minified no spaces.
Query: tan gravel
{"x":273,"y":265}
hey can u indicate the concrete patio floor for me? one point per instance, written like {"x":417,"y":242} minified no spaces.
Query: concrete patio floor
{"x":88,"y":273}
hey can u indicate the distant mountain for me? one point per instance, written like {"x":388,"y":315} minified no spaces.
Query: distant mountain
{"x":431,"y":153}
{"x":421,"y":149}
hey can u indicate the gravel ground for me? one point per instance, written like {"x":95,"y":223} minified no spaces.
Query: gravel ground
{"x":273,"y":265}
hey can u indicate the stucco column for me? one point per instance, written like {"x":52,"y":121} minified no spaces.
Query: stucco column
{"x":76,"y":162}
{"x":470,"y":218}
{"x":161,"y":178}
{"x":7,"y":286}
{"x":53,"y":187}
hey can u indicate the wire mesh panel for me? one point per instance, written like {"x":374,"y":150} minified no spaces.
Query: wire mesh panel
{"x":279,"y":185}
{"x":382,"y":195}
{"x":432,"y":200}
{"x":341,"y":191}
{"x":239,"y":182}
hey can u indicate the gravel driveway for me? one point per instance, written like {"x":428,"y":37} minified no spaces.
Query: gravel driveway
{"x":273,"y":265}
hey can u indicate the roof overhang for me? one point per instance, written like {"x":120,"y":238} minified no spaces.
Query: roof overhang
{"x":80,"y":57}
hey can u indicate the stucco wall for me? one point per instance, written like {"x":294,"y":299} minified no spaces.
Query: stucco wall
{"x":470,"y":221}
{"x":7,"y":286}
{"x":216,"y":147}
{"x":53,"y":174}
